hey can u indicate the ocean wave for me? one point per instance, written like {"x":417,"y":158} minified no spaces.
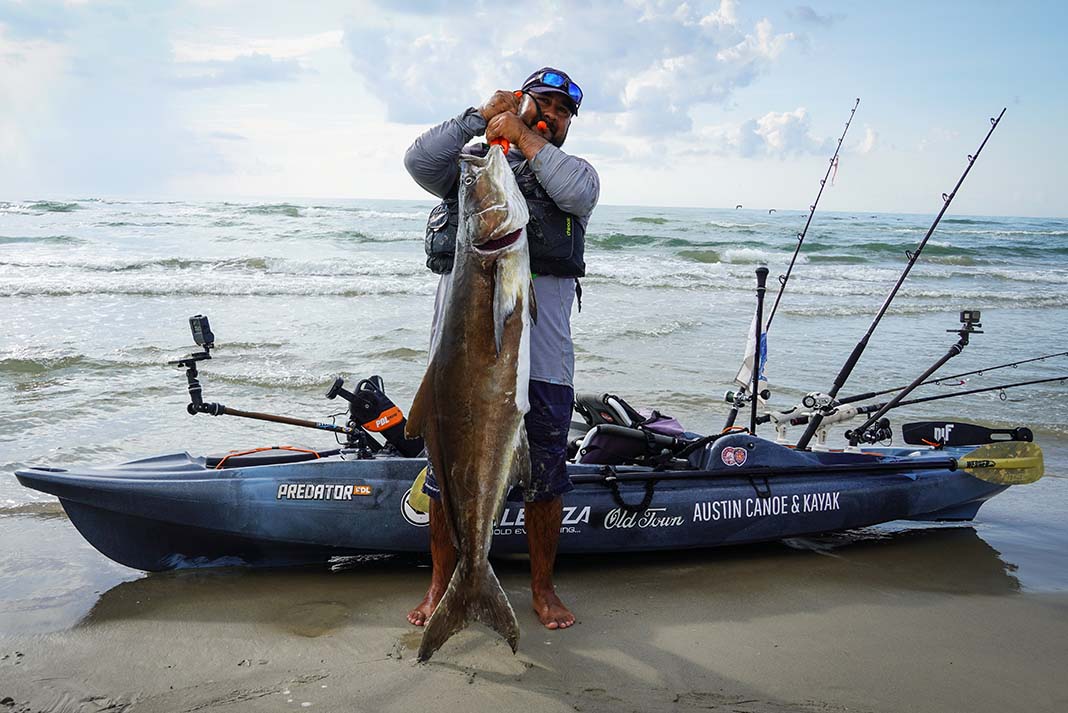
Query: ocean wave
{"x":619,"y":241}
{"x":653,"y":329}
{"x":39,"y":207}
{"x":838,"y":259}
{"x":48,"y":508}
{"x":372,"y":212}
{"x":40,"y":240}
{"x":750,"y":256}
{"x":157,"y":268}
{"x":402,"y":353}
{"x":236,"y":284}
{"x":705,"y":256}
{"x":34,"y":365}
{"x":286,"y":209}
{"x":648,"y":219}
{"x":37,"y":361}
{"x":394,"y":215}
{"x":744,"y":228}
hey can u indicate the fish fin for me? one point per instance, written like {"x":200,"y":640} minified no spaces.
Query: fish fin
{"x":521,"y":464}
{"x":520,"y":472}
{"x":422,"y":405}
{"x":421,"y":422}
{"x":533,"y":303}
{"x":473,"y":593}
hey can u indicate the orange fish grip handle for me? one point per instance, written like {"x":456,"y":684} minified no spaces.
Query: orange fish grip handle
{"x":503,"y":143}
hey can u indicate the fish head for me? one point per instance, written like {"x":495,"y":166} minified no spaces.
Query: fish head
{"x":491,"y":205}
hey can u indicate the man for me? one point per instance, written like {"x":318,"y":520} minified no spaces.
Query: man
{"x":561,"y":192}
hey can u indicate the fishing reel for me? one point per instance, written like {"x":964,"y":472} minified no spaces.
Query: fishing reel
{"x":875,"y":433}
{"x":817,"y":400}
{"x":742,"y":397}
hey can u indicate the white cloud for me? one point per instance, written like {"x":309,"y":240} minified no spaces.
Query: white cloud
{"x":869,"y":142}
{"x":774,"y":135}
{"x":29,"y":70}
{"x":244,"y":69}
{"x":651,"y":63}
{"x":226,"y":46}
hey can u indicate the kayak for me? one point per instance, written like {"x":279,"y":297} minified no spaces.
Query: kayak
{"x":295,"y":506}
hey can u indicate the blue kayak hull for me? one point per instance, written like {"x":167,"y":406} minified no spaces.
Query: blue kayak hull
{"x":173,"y":511}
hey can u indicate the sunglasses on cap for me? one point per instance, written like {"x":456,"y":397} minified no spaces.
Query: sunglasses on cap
{"x":556,"y":80}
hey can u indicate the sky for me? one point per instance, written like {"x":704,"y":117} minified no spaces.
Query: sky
{"x":706,"y":104}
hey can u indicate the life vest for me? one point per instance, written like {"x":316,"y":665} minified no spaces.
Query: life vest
{"x":556,"y":238}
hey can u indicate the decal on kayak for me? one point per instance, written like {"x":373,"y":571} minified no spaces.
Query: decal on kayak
{"x":734,"y":456}
{"x":620,"y":519}
{"x":512,"y":521}
{"x":321,"y":491}
{"x":739,"y":508}
{"x":412,"y":516}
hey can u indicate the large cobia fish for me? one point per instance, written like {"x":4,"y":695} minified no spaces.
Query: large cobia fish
{"x":471,"y":404}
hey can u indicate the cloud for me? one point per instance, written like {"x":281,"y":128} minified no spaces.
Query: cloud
{"x":650,"y":64}
{"x":775,"y":135}
{"x":34,"y":20}
{"x":247,"y":69}
{"x":868,"y":142}
{"x":805,"y":14}
{"x":223,"y":46}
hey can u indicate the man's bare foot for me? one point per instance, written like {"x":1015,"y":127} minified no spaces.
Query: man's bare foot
{"x":421,"y":613}
{"x":551,"y":611}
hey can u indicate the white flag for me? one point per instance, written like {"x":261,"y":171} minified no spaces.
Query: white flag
{"x":744,"y":378}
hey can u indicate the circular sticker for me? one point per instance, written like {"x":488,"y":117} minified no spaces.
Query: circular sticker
{"x":411,"y":515}
{"x":734,"y":456}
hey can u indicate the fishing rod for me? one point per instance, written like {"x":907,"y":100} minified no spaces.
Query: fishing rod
{"x":854,"y":357}
{"x":738,"y":399}
{"x":803,"y":418}
{"x":783,"y":279}
{"x":872,"y":431}
{"x":881,"y":427}
{"x":941,"y":379}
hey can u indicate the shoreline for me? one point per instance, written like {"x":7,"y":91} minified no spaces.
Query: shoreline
{"x":922,"y":619}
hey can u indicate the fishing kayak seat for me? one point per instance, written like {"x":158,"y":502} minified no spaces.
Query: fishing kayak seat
{"x":620,"y":434}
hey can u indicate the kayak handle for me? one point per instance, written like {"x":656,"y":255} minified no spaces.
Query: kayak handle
{"x":613,"y":485}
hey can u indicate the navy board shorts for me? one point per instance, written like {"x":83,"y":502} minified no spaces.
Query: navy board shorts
{"x":548,"y":423}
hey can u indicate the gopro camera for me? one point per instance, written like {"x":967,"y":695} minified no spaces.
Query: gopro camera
{"x":970,"y":316}
{"x":201,"y":330}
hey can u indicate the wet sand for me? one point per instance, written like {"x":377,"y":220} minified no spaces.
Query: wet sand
{"x":926,"y":619}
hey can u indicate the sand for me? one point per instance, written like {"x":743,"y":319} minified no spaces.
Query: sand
{"x":925,"y":620}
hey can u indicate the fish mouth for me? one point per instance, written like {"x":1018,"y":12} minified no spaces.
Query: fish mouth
{"x":499,"y":243}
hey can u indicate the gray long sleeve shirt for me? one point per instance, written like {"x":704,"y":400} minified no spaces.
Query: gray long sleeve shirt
{"x":433,"y":161}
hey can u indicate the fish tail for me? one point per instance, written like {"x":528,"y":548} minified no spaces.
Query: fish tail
{"x":473,"y":594}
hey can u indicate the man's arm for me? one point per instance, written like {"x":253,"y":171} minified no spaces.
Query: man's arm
{"x":570,"y":181}
{"x":432,"y":159}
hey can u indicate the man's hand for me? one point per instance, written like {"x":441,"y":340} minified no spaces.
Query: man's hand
{"x":501,"y":101}
{"x":510,"y":127}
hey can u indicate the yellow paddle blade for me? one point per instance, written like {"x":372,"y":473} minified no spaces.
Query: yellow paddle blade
{"x":1008,"y":463}
{"x":419,"y":500}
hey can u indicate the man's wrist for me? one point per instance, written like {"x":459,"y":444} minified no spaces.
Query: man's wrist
{"x":473,"y":121}
{"x":530,"y":143}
